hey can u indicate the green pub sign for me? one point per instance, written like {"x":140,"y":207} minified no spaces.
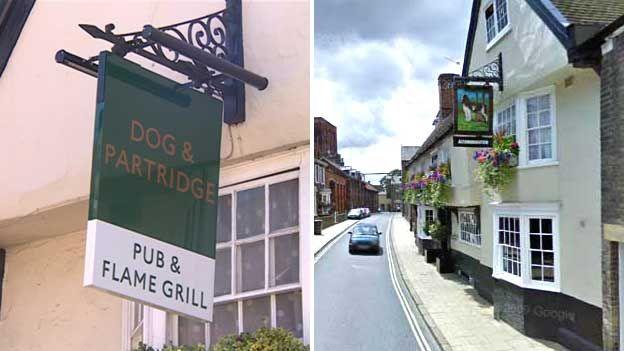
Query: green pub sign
{"x":154,"y":189}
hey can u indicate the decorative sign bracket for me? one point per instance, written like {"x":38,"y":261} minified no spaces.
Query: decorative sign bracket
{"x":489,"y":73}
{"x":207,"y":50}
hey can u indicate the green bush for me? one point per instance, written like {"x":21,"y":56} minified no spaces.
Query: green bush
{"x":263,"y":339}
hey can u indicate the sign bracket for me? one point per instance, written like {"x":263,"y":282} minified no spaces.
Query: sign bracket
{"x":207,"y":50}
{"x":489,"y":73}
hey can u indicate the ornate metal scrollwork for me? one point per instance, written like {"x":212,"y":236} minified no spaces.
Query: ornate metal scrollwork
{"x":207,"y":33}
{"x":488,"y":73}
{"x":219,"y":33}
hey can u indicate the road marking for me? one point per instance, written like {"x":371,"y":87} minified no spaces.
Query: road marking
{"x":409,"y":314}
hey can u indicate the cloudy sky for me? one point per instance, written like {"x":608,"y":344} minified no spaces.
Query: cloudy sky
{"x":376,"y":64}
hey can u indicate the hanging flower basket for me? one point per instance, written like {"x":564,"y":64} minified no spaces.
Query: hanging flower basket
{"x":496,"y":166}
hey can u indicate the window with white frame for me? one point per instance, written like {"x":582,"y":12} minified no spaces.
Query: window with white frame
{"x":319,"y":174}
{"x":526,"y":249}
{"x":257,"y":282}
{"x":469,"y":227}
{"x":426,"y":215}
{"x":539,"y":127}
{"x":136,"y":324}
{"x":505,"y":121}
{"x":496,"y":19}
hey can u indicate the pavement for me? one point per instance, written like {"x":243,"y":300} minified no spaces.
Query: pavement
{"x":319,"y":242}
{"x":357,"y":304}
{"x":459,"y":318}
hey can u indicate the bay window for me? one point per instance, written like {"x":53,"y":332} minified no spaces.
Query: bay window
{"x":525,"y":247}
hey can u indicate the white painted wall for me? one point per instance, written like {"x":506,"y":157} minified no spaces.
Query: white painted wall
{"x":45,"y":307}
{"x":48,"y":110}
{"x":533,"y":58}
{"x":46,"y":142}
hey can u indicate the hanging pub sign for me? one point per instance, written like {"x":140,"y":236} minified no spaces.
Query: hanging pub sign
{"x":473,"y":113}
{"x":151,"y":233}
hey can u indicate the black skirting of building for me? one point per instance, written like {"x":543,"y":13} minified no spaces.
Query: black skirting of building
{"x":553,"y":316}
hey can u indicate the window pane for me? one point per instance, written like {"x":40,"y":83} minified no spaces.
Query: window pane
{"x":223,"y":272}
{"x":544,"y":118}
{"x":289,"y":316}
{"x":191,"y":332}
{"x":534,"y":225}
{"x":284,"y":204}
{"x":224,"y":218}
{"x":250,"y":212}
{"x":533,"y":136}
{"x":490,"y":23}
{"x":224,"y":321}
{"x":549,"y":274}
{"x":546,"y":225}
{"x":531,"y":120}
{"x":256,"y":314}
{"x":284,"y":259}
{"x":250,"y":266}
{"x":536,"y":257}
{"x":549,"y":258}
{"x":534,"y":152}
{"x":546,"y":151}
{"x":547,"y":242}
{"x":544,"y":102}
{"x":545,"y":135}
{"x":531,"y":105}
{"x":536,"y":272}
{"x":501,"y":14}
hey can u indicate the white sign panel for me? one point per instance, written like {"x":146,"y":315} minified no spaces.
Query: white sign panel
{"x":130,"y":264}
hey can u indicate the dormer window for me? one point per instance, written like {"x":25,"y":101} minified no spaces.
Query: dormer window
{"x":496,"y":20}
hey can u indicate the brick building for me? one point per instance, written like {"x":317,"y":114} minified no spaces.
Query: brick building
{"x":325,"y":138}
{"x":334,"y":179}
{"x":604,"y":52}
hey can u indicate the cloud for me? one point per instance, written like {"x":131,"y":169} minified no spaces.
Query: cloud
{"x":375,"y":72}
{"x":428,"y":21}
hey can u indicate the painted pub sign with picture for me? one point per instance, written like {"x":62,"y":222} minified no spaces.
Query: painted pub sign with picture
{"x":473,"y":113}
{"x":151,"y":233}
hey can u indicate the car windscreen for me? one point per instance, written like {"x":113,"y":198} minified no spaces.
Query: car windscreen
{"x":365,"y":230}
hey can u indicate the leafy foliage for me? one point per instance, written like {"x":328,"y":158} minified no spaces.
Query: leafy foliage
{"x":437,"y":230}
{"x":143,"y":347}
{"x":496,"y":166}
{"x":263,"y":339}
{"x":431,"y":188}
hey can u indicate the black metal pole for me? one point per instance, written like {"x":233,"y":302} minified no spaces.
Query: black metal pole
{"x":76,"y":62}
{"x":205,"y":58}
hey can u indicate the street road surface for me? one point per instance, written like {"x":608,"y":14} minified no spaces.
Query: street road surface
{"x":356,"y":305}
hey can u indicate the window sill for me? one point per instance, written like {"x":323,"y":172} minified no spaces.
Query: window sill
{"x":538,"y":164}
{"x":552,"y":287}
{"x":499,"y":36}
{"x":478,"y":246}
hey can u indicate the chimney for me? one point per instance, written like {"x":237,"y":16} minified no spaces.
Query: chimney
{"x":445,"y":87}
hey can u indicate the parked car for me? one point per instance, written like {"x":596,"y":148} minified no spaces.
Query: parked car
{"x":364,"y":237}
{"x":355,"y":213}
{"x":366,"y":211}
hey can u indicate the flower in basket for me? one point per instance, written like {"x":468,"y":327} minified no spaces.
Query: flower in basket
{"x":495,"y":165}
